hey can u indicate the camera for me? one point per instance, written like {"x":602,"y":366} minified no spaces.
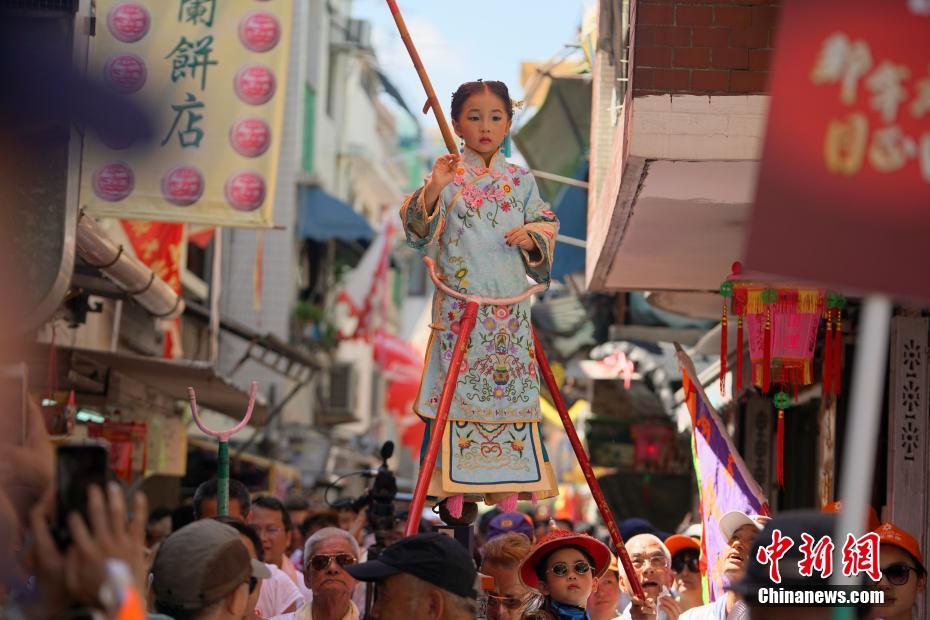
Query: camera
{"x":380,"y":498}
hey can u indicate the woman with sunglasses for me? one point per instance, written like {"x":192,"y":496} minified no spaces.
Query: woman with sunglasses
{"x":904,"y":575}
{"x":686,"y":554}
{"x":564,"y":568}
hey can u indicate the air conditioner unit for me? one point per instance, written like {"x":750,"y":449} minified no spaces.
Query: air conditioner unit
{"x":358,"y":32}
{"x":339,"y":401}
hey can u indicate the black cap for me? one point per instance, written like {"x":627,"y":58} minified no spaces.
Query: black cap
{"x":435,"y":558}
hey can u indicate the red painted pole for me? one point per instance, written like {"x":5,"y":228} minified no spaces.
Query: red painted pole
{"x":585,"y":464}
{"x":442,"y":416}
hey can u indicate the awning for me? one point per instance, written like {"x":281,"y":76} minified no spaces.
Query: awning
{"x":324,"y":217}
{"x":564,"y":120}
{"x":171,"y":377}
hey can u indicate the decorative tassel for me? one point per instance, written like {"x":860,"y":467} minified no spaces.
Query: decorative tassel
{"x":781,"y":402}
{"x":828,"y":357}
{"x":767,"y":353}
{"x":509,"y":503}
{"x":837,"y":364}
{"x":808,"y":300}
{"x":754,"y":304}
{"x":724,"y":350}
{"x":534,"y":499}
{"x":780,"y":449}
{"x":455,"y":504}
{"x":739,"y":355}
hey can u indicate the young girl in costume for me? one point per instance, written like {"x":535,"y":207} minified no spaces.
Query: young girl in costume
{"x":564,"y":568}
{"x":482,"y":220}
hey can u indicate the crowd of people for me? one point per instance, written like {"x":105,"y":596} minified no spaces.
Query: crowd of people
{"x":268,"y":559}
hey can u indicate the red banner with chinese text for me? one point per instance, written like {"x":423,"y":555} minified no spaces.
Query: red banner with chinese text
{"x":843,"y":195}
{"x":158,"y":246}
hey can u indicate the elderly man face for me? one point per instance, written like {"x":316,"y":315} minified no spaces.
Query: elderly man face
{"x":738,"y":547}
{"x":651,"y":563}
{"x":323,"y":570}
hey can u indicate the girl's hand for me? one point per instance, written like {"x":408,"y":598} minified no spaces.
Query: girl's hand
{"x":443,"y":173}
{"x":521,"y":238}
{"x":444,"y":170}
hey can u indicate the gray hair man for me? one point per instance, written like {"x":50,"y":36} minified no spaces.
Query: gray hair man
{"x":327,"y":554}
{"x":652,"y":563}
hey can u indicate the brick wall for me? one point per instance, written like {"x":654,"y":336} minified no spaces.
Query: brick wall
{"x":703,"y":46}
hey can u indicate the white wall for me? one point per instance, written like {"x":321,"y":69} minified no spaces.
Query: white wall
{"x":699,"y":127}
{"x":280,"y":246}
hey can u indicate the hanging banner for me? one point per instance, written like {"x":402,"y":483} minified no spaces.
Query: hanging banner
{"x":724,"y":481}
{"x":159,"y":247}
{"x":842,"y":196}
{"x":214,"y":75}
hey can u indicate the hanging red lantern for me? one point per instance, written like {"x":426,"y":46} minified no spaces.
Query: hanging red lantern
{"x":782,"y":321}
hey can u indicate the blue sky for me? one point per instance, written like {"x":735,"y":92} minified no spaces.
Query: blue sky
{"x":463,"y":41}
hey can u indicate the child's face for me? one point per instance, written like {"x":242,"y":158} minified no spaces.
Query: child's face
{"x":483,"y":122}
{"x":572,"y":588}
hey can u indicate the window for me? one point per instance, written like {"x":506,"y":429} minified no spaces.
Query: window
{"x":416,"y":284}
{"x":309,"y":111}
{"x":331,"y":82}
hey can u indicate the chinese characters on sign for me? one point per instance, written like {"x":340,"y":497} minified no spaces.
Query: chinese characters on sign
{"x":845,"y":169}
{"x":849,"y":63}
{"x":215,"y":73}
{"x":860,"y":555}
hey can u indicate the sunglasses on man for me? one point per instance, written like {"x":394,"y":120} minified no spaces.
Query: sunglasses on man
{"x":688,"y":558}
{"x":510,"y":602}
{"x":322,"y":561}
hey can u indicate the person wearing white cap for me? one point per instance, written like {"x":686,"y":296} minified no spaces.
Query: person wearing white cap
{"x":740,"y":531}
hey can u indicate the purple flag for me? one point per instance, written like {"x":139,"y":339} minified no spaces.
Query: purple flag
{"x":724,"y":481}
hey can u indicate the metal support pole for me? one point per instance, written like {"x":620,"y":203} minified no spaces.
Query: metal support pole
{"x":581,"y":455}
{"x":469,"y":317}
{"x":861,"y":440}
{"x":222,"y":479}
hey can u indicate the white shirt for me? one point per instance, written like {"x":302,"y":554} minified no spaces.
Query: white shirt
{"x":711,"y":611}
{"x":276,"y":594}
{"x":306,"y":613}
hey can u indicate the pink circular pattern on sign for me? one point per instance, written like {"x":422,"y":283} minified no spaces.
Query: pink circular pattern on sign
{"x":182,"y":186}
{"x":245,"y":190}
{"x":250,"y":136}
{"x":254,"y":84}
{"x":128,"y":22}
{"x":259,"y":31}
{"x":113,"y":181}
{"x":125,"y":73}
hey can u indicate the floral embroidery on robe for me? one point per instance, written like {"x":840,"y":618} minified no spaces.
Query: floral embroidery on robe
{"x":492,"y":446}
